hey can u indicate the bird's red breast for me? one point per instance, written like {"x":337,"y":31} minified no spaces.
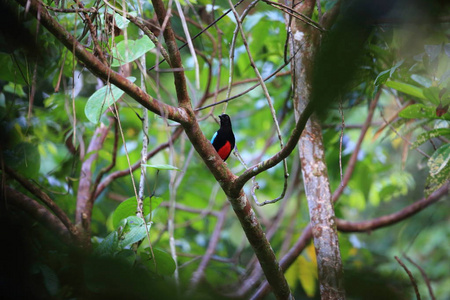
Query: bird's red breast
{"x":225,"y":150}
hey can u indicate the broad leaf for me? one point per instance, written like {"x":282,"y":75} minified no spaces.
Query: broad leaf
{"x":129,"y":208}
{"x":406,"y":88}
{"x":439,"y":160}
{"x":101,"y":100}
{"x":133,"y":232}
{"x":109,"y":245}
{"x":164,"y":263}
{"x":421,"y":111}
{"x":129,"y":50}
{"x":432,"y":94}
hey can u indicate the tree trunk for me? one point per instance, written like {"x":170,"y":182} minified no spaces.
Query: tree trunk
{"x":317,"y":187}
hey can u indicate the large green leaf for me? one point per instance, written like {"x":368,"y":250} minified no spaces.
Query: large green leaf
{"x":421,"y":111}
{"x":133,"y":232}
{"x":129,"y":208}
{"x":406,"y":88}
{"x":129,"y":50}
{"x":109,"y":244}
{"x":165,"y":265}
{"x":101,"y":100}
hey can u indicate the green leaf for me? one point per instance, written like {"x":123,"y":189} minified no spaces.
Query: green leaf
{"x":422,"y":138}
{"x":439,"y":169}
{"x":433,"y":51}
{"x":122,"y":22}
{"x":439,"y":160}
{"x":406,"y":88}
{"x":424,"y":81}
{"x":14,"y":88}
{"x":161,"y":167}
{"x":421,"y":111}
{"x":382,"y":77}
{"x":432,"y":94}
{"x":133,"y":232}
{"x":101,"y":100}
{"x":385,"y":75}
{"x":25,"y":159}
{"x":109,"y":245}
{"x":129,"y":208}
{"x":129,"y":50}
{"x":165,"y":265}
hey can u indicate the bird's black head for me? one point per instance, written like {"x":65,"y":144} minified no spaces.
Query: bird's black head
{"x":225,"y":121}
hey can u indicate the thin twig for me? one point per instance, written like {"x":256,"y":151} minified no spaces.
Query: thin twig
{"x":424,"y":275}
{"x":189,"y":41}
{"x":411,"y":277}
{"x":201,"y":32}
{"x":299,"y":16}
{"x":341,"y":137}
{"x":353,"y":158}
{"x":214,"y":240}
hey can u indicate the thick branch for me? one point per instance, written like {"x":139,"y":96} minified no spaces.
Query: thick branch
{"x":174,"y":54}
{"x":85,"y":199}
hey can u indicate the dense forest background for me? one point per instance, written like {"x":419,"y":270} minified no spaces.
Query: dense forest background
{"x":337,"y":188}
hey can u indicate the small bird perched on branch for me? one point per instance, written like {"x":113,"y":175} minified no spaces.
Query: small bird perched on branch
{"x":223,"y":140}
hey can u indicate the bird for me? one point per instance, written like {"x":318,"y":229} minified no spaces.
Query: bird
{"x":223,"y":140}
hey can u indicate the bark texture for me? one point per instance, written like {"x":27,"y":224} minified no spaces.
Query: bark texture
{"x":312,"y":156}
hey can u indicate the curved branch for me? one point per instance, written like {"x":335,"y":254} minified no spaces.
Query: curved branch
{"x":278,"y":157}
{"x":364,"y":226}
{"x":199,"y":273}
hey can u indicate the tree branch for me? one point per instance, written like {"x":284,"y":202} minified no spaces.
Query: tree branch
{"x":365,"y":226}
{"x":38,"y":212}
{"x":46,"y":199}
{"x":85,"y":195}
{"x":279,"y":156}
{"x":199,"y":273}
